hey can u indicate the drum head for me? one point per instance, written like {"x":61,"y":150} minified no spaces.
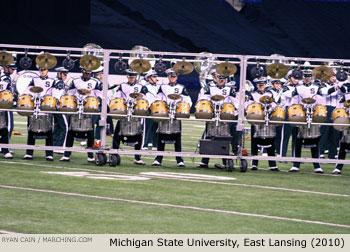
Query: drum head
{"x":23,"y":80}
{"x":341,"y":120}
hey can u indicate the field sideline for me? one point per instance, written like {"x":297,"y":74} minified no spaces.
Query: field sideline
{"x":77,"y":197}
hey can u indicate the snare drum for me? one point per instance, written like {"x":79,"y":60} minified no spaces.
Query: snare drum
{"x":49,"y":103}
{"x":6,"y":99}
{"x":3,"y":121}
{"x":296,"y":113}
{"x":227,"y":111}
{"x":68,"y":103}
{"x":91,"y":104}
{"x":40,"y":124}
{"x":183,"y":110}
{"x":220,"y":130}
{"x":165,"y":127}
{"x":25,"y":102}
{"x":83,"y":124}
{"x":263,"y":131}
{"x":278,"y":114}
{"x":159,"y":109}
{"x":204,"y":110}
{"x":131,"y":128}
{"x":141,"y":107}
{"x":309,"y":133}
{"x":320,"y":114}
{"x":339,"y":115}
{"x":117,"y":106}
{"x":255,"y":112}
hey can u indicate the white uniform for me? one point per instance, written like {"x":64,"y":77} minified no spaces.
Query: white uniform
{"x":254,"y":97}
{"x":307,"y":91}
{"x":287,"y":94}
{"x":276,"y":94}
{"x":92,"y":84}
{"x":5,"y":83}
{"x":46,"y":83}
{"x":165,"y":90}
{"x":152,"y":91}
{"x":228,"y":92}
{"x":331,"y":95}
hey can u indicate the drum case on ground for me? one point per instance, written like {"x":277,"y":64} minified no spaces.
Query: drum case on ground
{"x":214,"y":147}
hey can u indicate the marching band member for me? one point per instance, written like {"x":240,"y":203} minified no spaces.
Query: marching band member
{"x":287,"y":129}
{"x":82,"y":127}
{"x":212,"y":78}
{"x":332,"y":93}
{"x":257,"y":139}
{"x":277,"y":91}
{"x":123,"y":91}
{"x":150,"y":127}
{"x":11,"y":71}
{"x":308,"y":89}
{"x":5,"y":84}
{"x":60,"y":121}
{"x":345,"y":139}
{"x":220,"y":88}
{"x":47,"y":84}
{"x":172,"y":88}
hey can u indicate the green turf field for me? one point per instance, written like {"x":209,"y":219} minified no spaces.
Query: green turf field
{"x":78,"y":197}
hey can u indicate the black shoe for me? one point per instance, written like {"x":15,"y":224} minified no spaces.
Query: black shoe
{"x":65,"y":159}
{"x":254,"y":168}
{"x":275,"y":169}
{"x":181,"y":164}
{"x":219,"y":166}
{"x":202,"y":165}
{"x":319,"y":170}
{"x":49,"y":158}
{"x":336,"y":171}
{"x":27,"y":157}
{"x":156,"y":163}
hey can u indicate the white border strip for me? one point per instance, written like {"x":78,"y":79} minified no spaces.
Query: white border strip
{"x":177,"y":206}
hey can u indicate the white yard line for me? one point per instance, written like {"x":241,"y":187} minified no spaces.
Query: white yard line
{"x":189,"y":180}
{"x":176,"y":206}
{"x":7,"y":232}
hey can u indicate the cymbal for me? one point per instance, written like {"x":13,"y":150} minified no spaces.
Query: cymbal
{"x":217,"y":98}
{"x":46,"y":60}
{"x":140,"y":65}
{"x":266,"y":99}
{"x":84,"y":91}
{"x":183,"y":67}
{"x":5,"y":59}
{"x":226,"y":69}
{"x":89,"y":62}
{"x":322,"y":73}
{"x":135,"y":95}
{"x":277,"y":70}
{"x":308,"y":100}
{"x":36,"y":89}
{"x":174,"y":96}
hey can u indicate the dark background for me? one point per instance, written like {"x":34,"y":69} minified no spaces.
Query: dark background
{"x":263,"y":27}
{"x":288,"y":27}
